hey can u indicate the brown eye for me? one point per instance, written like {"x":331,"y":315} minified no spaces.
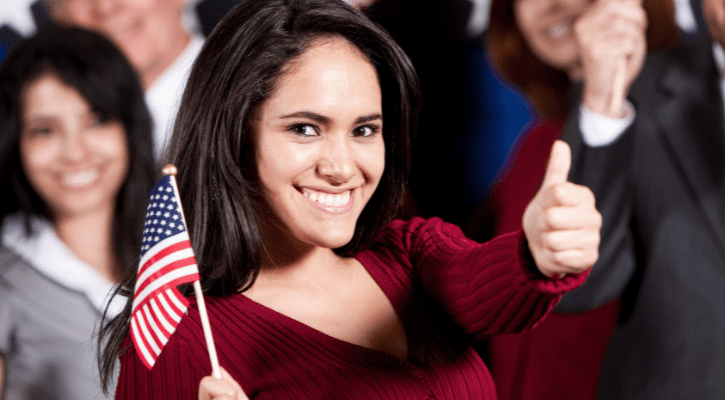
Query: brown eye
{"x":303,"y":130}
{"x":365,"y":131}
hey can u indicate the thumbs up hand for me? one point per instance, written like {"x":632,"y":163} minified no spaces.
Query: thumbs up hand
{"x":561,"y":223}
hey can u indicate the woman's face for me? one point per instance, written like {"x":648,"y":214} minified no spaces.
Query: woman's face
{"x":74,"y":160}
{"x":319,"y":146}
{"x":714,"y":12}
{"x":547,"y":26}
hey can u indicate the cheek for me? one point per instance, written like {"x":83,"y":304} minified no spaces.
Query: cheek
{"x":37,"y":156}
{"x":714,"y":12}
{"x":523,"y":12}
{"x":112,"y":148}
{"x":373,"y":161}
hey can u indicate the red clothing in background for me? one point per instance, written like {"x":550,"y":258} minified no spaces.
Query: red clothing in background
{"x":447,"y":291}
{"x":562,"y":357}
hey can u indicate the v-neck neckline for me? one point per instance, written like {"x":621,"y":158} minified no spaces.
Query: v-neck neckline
{"x":366,"y":353}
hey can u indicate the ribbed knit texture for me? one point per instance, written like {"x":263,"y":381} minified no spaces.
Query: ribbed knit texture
{"x":446,"y":290}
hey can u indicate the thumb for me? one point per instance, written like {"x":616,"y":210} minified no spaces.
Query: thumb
{"x":559,"y":164}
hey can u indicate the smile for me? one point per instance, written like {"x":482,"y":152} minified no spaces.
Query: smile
{"x":79,"y":179}
{"x":559,"y":30}
{"x":332,"y":202}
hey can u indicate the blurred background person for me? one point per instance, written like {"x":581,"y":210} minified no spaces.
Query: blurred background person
{"x":662,"y":188}
{"x":549,"y":49}
{"x":153,"y":36}
{"x":75,"y":172}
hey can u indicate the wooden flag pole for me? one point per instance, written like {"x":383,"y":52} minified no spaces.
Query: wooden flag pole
{"x":170,"y":170}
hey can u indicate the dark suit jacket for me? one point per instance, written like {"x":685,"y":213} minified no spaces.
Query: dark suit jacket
{"x":661,"y":190}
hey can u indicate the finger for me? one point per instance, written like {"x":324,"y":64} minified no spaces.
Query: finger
{"x":559,"y":163}
{"x":612,"y":17}
{"x":570,"y":218}
{"x":567,"y":262}
{"x":622,"y":10}
{"x":570,"y":239}
{"x":229,"y":379}
{"x":221,"y":389}
{"x":574,"y":261}
{"x":213,"y":388}
{"x":566,"y":194}
{"x":616,"y":104}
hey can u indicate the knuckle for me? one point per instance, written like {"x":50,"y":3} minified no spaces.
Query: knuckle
{"x":551,"y":218}
{"x":548,"y":241}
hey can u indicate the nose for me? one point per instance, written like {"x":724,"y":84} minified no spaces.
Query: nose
{"x":104,"y":8}
{"x":75,"y":147}
{"x":337,"y":160}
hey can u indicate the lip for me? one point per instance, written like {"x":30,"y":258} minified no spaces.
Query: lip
{"x":330,"y":209}
{"x":123,"y":28}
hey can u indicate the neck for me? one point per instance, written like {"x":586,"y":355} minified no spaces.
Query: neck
{"x":89,"y":237}
{"x":152,"y":72}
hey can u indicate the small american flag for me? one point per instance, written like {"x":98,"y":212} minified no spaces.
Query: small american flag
{"x":167,"y":260}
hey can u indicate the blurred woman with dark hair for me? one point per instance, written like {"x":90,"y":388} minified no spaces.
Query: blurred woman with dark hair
{"x":75,"y":170}
{"x":560,"y":52}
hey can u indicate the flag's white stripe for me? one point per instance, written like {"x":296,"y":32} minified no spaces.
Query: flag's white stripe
{"x":170,"y":258}
{"x":176,"y":301}
{"x":139,"y":343}
{"x":161,"y":317}
{"x":163,"y":280}
{"x":149,"y":337}
{"x":169,"y":309}
{"x":179,"y":237}
{"x":150,"y":318}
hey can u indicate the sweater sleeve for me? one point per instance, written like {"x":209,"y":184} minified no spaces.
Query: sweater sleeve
{"x":487,"y":288}
{"x":182,"y":364}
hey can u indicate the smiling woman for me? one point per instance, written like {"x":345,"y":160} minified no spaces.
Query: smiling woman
{"x":292,"y":146}
{"x":75,"y":167}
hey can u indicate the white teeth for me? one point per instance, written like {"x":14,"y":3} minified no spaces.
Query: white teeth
{"x":79,"y":178}
{"x":559,"y":30}
{"x":328,"y":199}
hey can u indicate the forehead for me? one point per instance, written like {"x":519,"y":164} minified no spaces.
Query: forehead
{"x":49,"y":92}
{"x":328,"y":62}
{"x":86,"y":11}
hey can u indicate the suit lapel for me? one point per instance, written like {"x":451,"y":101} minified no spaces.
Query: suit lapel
{"x":693,"y":124}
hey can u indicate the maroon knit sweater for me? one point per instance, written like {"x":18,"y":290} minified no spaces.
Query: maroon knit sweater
{"x":447,"y":291}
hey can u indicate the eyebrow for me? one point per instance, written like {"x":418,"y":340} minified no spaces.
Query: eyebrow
{"x":321,"y":119}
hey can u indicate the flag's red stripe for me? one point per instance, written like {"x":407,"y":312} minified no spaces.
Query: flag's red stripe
{"x":152,"y":320}
{"x":171,"y":285}
{"x":163,"y":253}
{"x":179,"y":299}
{"x":169,"y":305}
{"x":151,"y":336}
{"x":163,"y":314}
{"x":166,"y":269}
{"x":137,"y":344}
{"x":139,"y":337}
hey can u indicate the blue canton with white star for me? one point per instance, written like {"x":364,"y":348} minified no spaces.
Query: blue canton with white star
{"x":163,"y":218}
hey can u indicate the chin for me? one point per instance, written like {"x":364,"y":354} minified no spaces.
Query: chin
{"x":333,"y":241}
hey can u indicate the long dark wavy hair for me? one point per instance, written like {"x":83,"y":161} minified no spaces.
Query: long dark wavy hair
{"x":212,"y":144}
{"x":92,"y":65}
